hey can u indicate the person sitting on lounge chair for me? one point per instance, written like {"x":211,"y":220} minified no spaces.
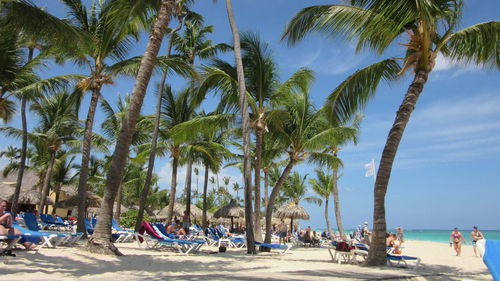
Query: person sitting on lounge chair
{"x":176,"y":229}
{"x":6,"y":227}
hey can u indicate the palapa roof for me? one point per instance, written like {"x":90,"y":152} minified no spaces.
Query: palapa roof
{"x":230,"y":210}
{"x":179,"y":209}
{"x":93,"y":201}
{"x":292,"y":210}
{"x":31,"y":197}
{"x":8,"y":184}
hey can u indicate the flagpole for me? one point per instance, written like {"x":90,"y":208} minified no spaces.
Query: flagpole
{"x":374,"y":171}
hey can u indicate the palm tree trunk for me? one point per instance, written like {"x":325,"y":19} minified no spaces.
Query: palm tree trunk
{"x":247,"y":170}
{"x":173,"y":187}
{"x":84,"y":167}
{"x":336,"y":206}
{"x":377,"y":254}
{"x":46,"y":182}
{"x":154,"y":140}
{"x":57,"y":191}
{"x":274,"y":194}
{"x":205,"y":191}
{"x":101,"y":239}
{"x":24,"y":150}
{"x":189,"y":171}
{"x":291,"y":224}
{"x":118,"y":211}
{"x":258,"y":159}
{"x":266,"y":187}
{"x":327,"y":219}
{"x":22,"y":163}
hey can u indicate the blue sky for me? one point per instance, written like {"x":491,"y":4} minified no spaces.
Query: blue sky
{"x":445,"y":172}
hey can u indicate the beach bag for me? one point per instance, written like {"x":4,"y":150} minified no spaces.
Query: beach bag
{"x":342,"y":247}
{"x":222,"y":249}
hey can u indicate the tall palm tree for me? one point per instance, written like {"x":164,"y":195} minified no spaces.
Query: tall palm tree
{"x":63,"y":174}
{"x":101,"y":239}
{"x":245,"y":119}
{"x":18,"y":77}
{"x":323,"y":186}
{"x":431,"y":26}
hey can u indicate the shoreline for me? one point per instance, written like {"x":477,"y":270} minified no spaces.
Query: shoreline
{"x":73,"y":263}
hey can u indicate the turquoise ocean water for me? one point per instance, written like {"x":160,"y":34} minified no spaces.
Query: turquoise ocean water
{"x":443,"y":236}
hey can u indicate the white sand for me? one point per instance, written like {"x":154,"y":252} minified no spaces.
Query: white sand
{"x":72,"y":263}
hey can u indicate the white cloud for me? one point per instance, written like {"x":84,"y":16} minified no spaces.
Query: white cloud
{"x":444,"y":64}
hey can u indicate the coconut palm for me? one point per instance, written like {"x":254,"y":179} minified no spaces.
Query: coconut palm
{"x":323,"y":186}
{"x":431,"y":27}
{"x":18,"y":78}
{"x":100,"y":241}
{"x":57,"y":126}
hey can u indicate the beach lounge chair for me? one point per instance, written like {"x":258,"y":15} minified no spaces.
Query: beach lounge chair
{"x":396,"y":260}
{"x":282,"y":247}
{"x":153,"y":239}
{"x":50,"y":239}
{"x":10,"y":241}
{"x":490,"y":250}
{"x":117,"y":237}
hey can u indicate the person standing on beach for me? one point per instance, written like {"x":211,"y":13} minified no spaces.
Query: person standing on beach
{"x":456,"y":239}
{"x":475,"y":236}
{"x":366,"y":233}
{"x":186,"y":222}
{"x":282,"y":231}
{"x":400,"y":234}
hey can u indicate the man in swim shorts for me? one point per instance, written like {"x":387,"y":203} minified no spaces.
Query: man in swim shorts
{"x":475,"y":236}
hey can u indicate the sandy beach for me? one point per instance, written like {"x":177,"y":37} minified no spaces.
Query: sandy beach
{"x":72,"y":263}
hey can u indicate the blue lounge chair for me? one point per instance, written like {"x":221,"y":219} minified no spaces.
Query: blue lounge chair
{"x":62,"y":238}
{"x":153,"y":239}
{"x":398,"y":259}
{"x":490,"y":249}
{"x":282,"y":247}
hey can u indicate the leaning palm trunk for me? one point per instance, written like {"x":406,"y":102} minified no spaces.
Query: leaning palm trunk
{"x":266,"y":187}
{"x":154,"y":140}
{"x":46,"y":182}
{"x":205,"y":190}
{"x":245,"y":119}
{"x":101,"y":239}
{"x":377,"y":254}
{"x":272,"y":197}
{"x":327,"y":219}
{"x":84,"y":167}
{"x":57,"y":192}
{"x":22,"y":163}
{"x":119,"y":198}
{"x":258,"y":159}
{"x":336,"y":206}
{"x":173,"y":187}
{"x":24,"y":149}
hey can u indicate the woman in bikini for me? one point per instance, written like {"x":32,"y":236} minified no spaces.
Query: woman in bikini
{"x":6,"y":227}
{"x":456,"y":239}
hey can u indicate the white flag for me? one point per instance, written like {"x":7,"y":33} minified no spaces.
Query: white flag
{"x":370,"y":169}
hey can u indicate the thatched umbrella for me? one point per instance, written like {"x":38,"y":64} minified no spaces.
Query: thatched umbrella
{"x":231,"y":210}
{"x":31,"y":197}
{"x":292,"y":211}
{"x":93,"y":201}
{"x":179,"y":209}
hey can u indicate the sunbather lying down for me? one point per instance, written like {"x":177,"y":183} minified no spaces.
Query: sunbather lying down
{"x":6,"y":227}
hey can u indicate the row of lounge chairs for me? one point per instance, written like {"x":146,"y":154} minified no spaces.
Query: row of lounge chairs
{"x":359,"y":250}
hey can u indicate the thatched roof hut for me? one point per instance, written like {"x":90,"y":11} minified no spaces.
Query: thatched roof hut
{"x":93,"y":201}
{"x":179,"y":211}
{"x":31,"y":197}
{"x":8,"y":184}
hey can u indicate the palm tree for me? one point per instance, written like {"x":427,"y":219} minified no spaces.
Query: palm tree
{"x":63,"y":174}
{"x":375,"y":24}
{"x":18,"y":77}
{"x":236,"y":188}
{"x":111,"y":128}
{"x":323,"y":186}
{"x":100,"y":241}
{"x":58,"y":125}
{"x":245,"y":120}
